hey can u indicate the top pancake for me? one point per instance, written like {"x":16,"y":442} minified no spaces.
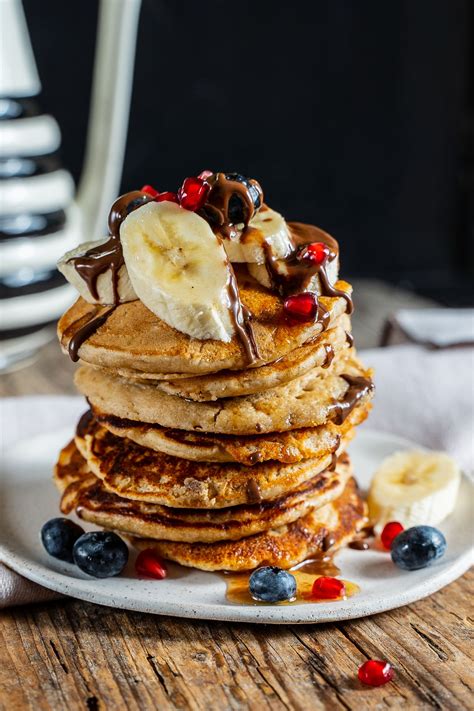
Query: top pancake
{"x":134,"y":338}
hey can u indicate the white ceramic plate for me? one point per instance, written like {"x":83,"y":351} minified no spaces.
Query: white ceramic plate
{"x":28,"y":498}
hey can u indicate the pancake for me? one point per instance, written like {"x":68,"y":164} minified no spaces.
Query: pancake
{"x":142,"y":474}
{"x":308,"y":401}
{"x":233,"y":383}
{"x":133,"y":337}
{"x":86,"y":494}
{"x":284,"y":547}
{"x":287,"y":447}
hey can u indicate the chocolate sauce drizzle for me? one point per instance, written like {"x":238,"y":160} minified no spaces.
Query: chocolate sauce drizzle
{"x":241,"y":318}
{"x":358,"y":545}
{"x":329,"y":355}
{"x":254,"y":493}
{"x":98,"y":260}
{"x":299,"y":272}
{"x":324,"y":317}
{"x":109,"y":255}
{"x":217,"y":209}
{"x":327,"y":542}
{"x":334,"y":459}
{"x":85,"y":331}
{"x":359,"y":387}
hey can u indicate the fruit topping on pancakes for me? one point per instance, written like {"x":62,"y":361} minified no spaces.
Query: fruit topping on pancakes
{"x":175,"y":252}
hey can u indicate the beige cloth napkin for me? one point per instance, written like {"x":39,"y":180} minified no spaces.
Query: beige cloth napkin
{"x":424,"y":395}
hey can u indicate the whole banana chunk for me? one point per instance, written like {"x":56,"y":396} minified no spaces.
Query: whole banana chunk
{"x":179,"y":269}
{"x":266,"y":229}
{"x":414,"y":488}
{"x":104,"y":283}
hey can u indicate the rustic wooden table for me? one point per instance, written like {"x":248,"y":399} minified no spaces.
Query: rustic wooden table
{"x":74,"y":655}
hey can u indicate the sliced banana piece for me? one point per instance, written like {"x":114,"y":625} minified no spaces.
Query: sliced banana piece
{"x":260,"y":273}
{"x":414,"y":488}
{"x":104,"y":284}
{"x":179,"y":269}
{"x":266,"y":227}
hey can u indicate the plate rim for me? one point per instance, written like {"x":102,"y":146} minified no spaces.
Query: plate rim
{"x":57,"y":582}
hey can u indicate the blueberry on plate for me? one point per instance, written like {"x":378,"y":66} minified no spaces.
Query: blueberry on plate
{"x":418,"y":547}
{"x":272,"y":584}
{"x":58,"y":536}
{"x":101,"y":554}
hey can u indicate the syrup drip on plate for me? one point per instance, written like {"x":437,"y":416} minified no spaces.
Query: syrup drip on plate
{"x":305,"y":574}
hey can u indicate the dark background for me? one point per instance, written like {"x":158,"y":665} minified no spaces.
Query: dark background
{"x":357,"y":116}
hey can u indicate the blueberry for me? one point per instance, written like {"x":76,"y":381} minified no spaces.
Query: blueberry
{"x":272,"y":584}
{"x":101,"y":554}
{"x":418,"y":547}
{"x":236,"y":208}
{"x":58,"y":536}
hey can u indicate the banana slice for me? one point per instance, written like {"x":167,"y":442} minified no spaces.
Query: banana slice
{"x":414,"y":488}
{"x":260,"y":273}
{"x":104,"y":284}
{"x":266,"y":227}
{"x":179,"y":269}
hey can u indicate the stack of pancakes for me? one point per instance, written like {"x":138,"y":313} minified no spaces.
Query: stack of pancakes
{"x":215,"y":464}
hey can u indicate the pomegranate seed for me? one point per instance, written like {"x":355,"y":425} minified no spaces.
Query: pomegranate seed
{"x":302,"y":307}
{"x":390,"y":532}
{"x":150,"y":190}
{"x":205,"y":174}
{"x":326,"y":588}
{"x":193,"y":193}
{"x":149,"y":565}
{"x":167,"y":196}
{"x":375,"y":672}
{"x":317,"y":253}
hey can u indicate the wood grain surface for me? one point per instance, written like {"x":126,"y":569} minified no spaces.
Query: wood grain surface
{"x":73,"y":655}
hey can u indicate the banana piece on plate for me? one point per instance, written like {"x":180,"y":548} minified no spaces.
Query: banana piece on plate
{"x":414,"y":488}
{"x":266,"y":226}
{"x":104,"y":284}
{"x":179,"y":269}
